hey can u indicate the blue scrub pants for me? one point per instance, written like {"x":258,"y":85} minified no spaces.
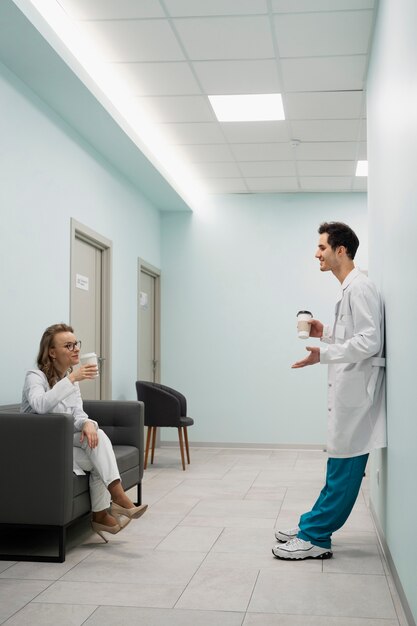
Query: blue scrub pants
{"x":335,"y":502}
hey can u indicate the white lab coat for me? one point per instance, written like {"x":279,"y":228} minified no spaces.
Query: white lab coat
{"x":356,"y":373}
{"x":64,"y":397}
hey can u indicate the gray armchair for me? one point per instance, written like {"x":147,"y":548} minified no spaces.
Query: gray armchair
{"x":164,"y":406}
{"x":37,"y":484}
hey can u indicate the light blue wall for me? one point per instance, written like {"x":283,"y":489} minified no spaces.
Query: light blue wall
{"x":234,"y":277}
{"x":392,"y":150}
{"x":47,"y":176}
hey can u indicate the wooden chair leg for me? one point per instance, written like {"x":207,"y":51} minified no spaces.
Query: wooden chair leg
{"x":148,"y":441}
{"x":153,"y":443}
{"x":187,"y":449}
{"x":181,"y":447}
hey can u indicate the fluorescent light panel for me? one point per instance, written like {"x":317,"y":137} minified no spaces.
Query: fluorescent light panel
{"x":260,"y":107}
{"x":362,"y":168}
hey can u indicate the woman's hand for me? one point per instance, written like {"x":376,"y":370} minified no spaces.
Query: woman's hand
{"x":89,"y":431}
{"x":83,"y":372}
{"x":316,"y":328}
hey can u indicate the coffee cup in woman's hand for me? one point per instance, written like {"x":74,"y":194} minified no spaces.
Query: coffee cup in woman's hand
{"x":90,"y":359}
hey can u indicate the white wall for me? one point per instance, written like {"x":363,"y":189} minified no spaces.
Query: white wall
{"x":47,"y":176}
{"x":392,"y":153}
{"x":234,"y":277}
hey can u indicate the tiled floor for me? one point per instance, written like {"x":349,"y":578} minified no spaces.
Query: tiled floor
{"x":201,"y":556}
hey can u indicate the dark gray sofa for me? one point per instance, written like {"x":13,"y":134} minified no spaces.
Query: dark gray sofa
{"x":37,"y":485}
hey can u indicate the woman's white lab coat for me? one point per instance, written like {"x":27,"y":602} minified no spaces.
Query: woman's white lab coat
{"x":356,"y":373}
{"x":64,"y":397}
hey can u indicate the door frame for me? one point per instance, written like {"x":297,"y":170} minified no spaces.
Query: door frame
{"x":86,"y":234}
{"x":147,"y":268}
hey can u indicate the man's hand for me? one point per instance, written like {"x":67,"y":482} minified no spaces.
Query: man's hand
{"x":89,"y":431}
{"x":311,"y":359}
{"x":316,"y":328}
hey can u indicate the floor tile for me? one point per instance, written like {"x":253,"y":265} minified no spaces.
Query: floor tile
{"x":112,"y":616}
{"x":354,"y":558}
{"x":215,"y":488}
{"x":112,"y":593}
{"x":174,"y":505}
{"x":15,"y":594}
{"x":322,"y":594}
{"x":271,"y":619}
{"x":125,"y":564}
{"x":247,"y":540}
{"x":190,"y":539}
{"x":51,"y":615}
{"x":225,"y":590}
{"x":46,"y":571}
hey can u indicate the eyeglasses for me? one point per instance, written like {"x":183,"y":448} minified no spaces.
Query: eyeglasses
{"x":72,"y":345}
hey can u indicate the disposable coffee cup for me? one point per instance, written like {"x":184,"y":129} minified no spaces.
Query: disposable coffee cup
{"x":90,"y":358}
{"x":303,"y":327}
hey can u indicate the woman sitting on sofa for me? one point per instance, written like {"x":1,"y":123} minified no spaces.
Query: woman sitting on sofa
{"x":54,"y":388}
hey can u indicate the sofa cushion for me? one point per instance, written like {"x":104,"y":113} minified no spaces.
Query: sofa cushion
{"x":127,"y":457}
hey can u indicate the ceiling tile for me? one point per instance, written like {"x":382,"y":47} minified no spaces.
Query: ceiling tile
{"x":257,"y":132}
{"x":154,"y":79}
{"x":218,"y":170}
{"x":324,"y":74}
{"x":226,"y":37}
{"x":326,"y":168}
{"x":325,"y":130}
{"x":271,"y":185}
{"x":327,"y":150}
{"x":363,"y":131}
{"x":178,"y":108}
{"x":199,"y":132}
{"x":134,"y":40}
{"x":329,"y":183}
{"x":209,"y":153}
{"x":362,"y":151}
{"x":262,"y":151}
{"x":109,"y":9}
{"x":323,"y":105}
{"x":301,"y":6}
{"x":267,"y":169}
{"x":226,"y":185}
{"x":185,"y":8}
{"x":322,"y":34}
{"x":360,"y":183}
{"x":238,"y":77}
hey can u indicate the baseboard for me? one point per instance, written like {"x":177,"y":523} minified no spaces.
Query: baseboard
{"x":254,"y":446}
{"x":393,"y":570}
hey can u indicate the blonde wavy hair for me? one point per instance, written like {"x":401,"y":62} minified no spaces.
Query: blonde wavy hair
{"x":45,"y":362}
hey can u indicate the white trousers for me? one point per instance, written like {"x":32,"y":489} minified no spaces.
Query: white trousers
{"x":101,"y":463}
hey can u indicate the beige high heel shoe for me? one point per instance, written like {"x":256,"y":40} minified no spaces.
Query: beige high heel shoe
{"x":100,"y":528}
{"x":134,"y":513}
{"x":113,"y":530}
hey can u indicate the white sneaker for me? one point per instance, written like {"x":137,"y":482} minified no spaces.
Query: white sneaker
{"x":296,"y":549}
{"x":286,"y":535}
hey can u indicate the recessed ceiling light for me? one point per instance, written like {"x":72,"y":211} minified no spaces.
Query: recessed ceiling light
{"x":259,"y":107}
{"x":362,"y":168}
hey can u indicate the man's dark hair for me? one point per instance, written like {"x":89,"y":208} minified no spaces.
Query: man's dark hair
{"x":340,"y":234}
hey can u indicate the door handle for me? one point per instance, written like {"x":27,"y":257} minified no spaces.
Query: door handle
{"x":100,"y":360}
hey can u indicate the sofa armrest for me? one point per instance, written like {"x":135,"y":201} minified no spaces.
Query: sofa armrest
{"x":122,"y":421}
{"x":36,"y":468}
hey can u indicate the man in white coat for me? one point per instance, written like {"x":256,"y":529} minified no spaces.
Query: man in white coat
{"x":354,"y":353}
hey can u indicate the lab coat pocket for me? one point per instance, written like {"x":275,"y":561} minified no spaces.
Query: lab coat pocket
{"x":352,"y":389}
